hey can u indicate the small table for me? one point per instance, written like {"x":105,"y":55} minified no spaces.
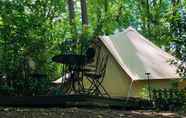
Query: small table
{"x":70,"y":59}
{"x":75,"y":62}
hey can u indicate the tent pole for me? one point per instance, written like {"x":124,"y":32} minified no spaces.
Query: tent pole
{"x":149,"y":88}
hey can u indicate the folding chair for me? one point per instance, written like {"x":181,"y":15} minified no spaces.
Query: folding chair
{"x":95,"y":74}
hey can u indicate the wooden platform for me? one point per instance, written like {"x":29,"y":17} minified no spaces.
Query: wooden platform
{"x":72,"y":101}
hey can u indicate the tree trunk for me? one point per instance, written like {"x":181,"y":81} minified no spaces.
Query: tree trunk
{"x":84,"y":13}
{"x":174,"y":6}
{"x":148,"y":17}
{"x":71,"y":11}
{"x":72,"y":18}
{"x":106,"y":5}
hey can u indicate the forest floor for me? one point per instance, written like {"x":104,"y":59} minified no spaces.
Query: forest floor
{"x":83,"y":113}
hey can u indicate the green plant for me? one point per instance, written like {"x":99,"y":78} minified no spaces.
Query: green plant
{"x":55,"y":91}
{"x":169,"y":99}
{"x":144,"y":93}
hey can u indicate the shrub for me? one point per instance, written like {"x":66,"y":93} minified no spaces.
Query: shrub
{"x":169,"y":99}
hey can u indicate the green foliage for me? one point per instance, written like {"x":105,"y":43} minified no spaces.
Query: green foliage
{"x":178,"y":28}
{"x":144,"y":93}
{"x":27,"y":34}
{"x":169,"y":99}
{"x":56,"y":92}
{"x":153,"y":20}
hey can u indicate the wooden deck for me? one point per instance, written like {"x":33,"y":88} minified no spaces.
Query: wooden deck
{"x":73,"y":101}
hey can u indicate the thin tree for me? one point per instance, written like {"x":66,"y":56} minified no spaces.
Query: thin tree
{"x":148,"y":17}
{"x":71,"y":10}
{"x":84,"y":14}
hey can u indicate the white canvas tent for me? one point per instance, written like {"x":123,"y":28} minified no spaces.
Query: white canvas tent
{"x":137,"y":55}
{"x":131,"y":56}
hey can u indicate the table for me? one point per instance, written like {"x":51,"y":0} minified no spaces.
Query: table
{"x":75,"y":63}
{"x":70,"y":59}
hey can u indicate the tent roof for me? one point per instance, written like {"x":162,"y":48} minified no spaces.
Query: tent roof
{"x":137,"y":56}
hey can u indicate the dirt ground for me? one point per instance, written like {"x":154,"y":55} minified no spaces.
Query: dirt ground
{"x":81,"y":113}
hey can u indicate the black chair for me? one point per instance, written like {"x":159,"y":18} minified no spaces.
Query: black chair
{"x":95,"y":73}
{"x":90,"y":54}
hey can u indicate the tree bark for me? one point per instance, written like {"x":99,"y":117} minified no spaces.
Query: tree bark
{"x":84,"y":12}
{"x":71,"y":10}
{"x":148,"y":17}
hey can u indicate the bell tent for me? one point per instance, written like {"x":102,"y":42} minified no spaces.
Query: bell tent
{"x":131,"y":56}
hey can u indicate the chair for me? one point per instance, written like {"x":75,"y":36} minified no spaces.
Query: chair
{"x":95,"y":74}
